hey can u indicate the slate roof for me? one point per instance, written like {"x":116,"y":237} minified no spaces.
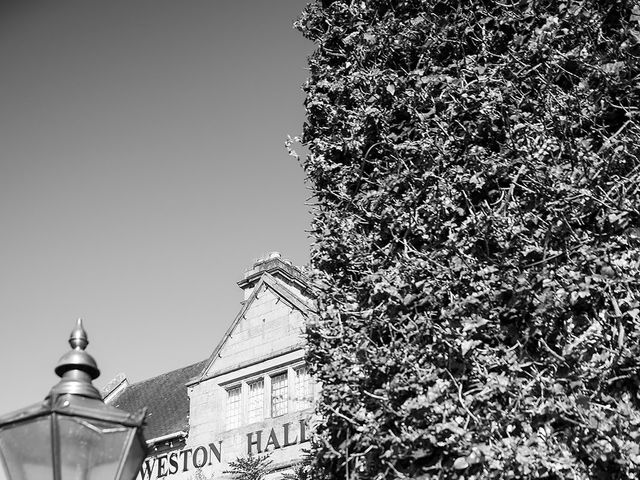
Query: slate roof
{"x":165,"y":397}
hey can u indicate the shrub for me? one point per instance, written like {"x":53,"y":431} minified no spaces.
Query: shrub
{"x":475,"y":238}
{"x":251,"y":467}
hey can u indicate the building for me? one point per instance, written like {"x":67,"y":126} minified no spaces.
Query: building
{"x":252,"y":395}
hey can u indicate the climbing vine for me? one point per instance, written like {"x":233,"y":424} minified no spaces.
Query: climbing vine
{"x":475,"y":167}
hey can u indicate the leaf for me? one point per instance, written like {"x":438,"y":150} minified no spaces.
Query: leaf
{"x":369,"y":38}
{"x":391,"y":89}
{"x":582,"y":401}
{"x":468,"y":345}
{"x":613,"y":67}
{"x":475,"y":457}
{"x":460,"y":463}
{"x":408,"y":299}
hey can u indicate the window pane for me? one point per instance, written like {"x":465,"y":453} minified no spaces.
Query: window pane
{"x":26,"y":449}
{"x":279,"y":394}
{"x":256,"y":401}
{"x":303,"y":398}
{"x":233,"y":408}
{"x":90,"y":449}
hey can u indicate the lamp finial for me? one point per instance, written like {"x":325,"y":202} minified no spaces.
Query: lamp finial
{"x":76,"y":367}
{"x":78,"y":338}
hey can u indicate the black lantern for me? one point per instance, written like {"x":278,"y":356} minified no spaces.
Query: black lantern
{"x":72,"y":434}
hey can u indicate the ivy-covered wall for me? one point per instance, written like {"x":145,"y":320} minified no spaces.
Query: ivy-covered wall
{"x":476,"y":172}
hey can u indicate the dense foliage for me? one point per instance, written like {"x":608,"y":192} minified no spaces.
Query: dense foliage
{"x":298,"y":472}
{"x":301,"y":470}
{"x":476,"y":245}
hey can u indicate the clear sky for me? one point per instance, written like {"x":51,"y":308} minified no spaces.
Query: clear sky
{"x":142,"y":170}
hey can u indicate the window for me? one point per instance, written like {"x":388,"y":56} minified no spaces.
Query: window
{"x":255,"y":411}
{"x":303,"y":396}
{"x":267,"y":395}
{"x":233,"y":407}
{"x":279,"y":394}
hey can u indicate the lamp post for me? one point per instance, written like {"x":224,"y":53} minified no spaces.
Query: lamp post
{"x":72,"y":434}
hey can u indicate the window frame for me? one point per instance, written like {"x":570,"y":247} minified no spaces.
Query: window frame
{"x":238,"y":411}
{"x":275,"y":403}
{"x":287,"y":394}
{"x":302,"y":402}
{"x":260,"y":404}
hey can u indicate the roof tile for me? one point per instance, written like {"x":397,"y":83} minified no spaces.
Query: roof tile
{"x":165,"y":398}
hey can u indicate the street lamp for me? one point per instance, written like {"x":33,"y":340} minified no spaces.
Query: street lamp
{"x":72,"y":434}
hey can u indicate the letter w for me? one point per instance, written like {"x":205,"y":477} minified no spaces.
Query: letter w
{"x":147,"y":468}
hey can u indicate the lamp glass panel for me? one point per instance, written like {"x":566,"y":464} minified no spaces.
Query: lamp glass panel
{"x":26,"y":452}
{"x":90,"y":449}
{"x":133,"y":460}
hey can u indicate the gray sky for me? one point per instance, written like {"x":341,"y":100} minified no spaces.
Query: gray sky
{"x":142,"y":170}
